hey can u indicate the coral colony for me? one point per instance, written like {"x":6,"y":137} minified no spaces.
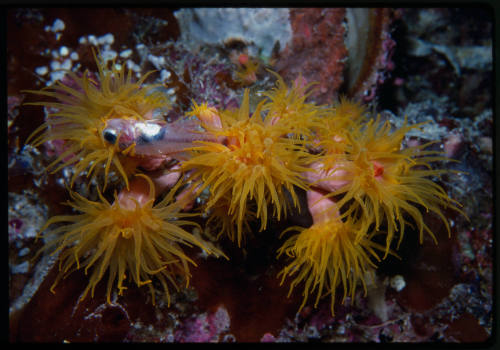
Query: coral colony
{"x":238,"y":168}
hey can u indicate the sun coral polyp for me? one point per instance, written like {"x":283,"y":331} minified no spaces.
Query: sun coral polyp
{"x":226,"y":225}
{"x":335,"y":125}
{"x":130,"y":236}
{"x":327,"y":255}
{"x":80,"y":114}
{"x":205,"y":114}
{"x":253,"y":163}
{"x":348,"y":109}
{"x":383,"y":183}
{"x":247,"y":70}
{"x":287,"y":106}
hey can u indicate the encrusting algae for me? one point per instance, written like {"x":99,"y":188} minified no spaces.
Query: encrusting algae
{"x":359,"y":179}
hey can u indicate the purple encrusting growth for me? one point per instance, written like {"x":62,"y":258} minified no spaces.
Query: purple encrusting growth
{"x":25,"y":216}
{"x":204,"y":327}
{"x":385,"y":66}
{"x":201,"y":75}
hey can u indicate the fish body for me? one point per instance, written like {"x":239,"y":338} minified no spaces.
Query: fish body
{"x":153,"y":138}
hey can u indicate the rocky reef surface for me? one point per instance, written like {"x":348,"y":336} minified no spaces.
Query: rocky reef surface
{"x":425,"y":64}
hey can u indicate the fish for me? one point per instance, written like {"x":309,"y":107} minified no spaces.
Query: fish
{"x":154,"y":137}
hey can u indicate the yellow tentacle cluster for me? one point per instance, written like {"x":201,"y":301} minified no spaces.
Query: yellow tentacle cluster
{"x":80,"y":115}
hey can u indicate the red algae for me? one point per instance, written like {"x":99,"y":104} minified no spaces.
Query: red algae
{"x":467,"y":330}
{"x":91,"y":319}
{"x":317,"y":51}
{"x":37,"y":320}
{"x":432,"y":273}
{"x":256,"y":304}
{"x":421,"y":325}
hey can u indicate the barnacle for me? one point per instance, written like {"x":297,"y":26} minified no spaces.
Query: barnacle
{"x":385,"y":183}
{"x":125,"y":237}
{"x":79,"y":117}
{"x":327,"y":255}
{"x":254,"y":163}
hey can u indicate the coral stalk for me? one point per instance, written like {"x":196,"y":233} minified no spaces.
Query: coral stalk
{"x":328,"y":254}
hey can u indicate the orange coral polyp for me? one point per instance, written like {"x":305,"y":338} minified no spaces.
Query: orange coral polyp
{"x":385,"y":182}
{"x":287,"y":106}
{"x":327,"y":255}
{"x":347,"y":109}
{"x":247,"y":72}
{"x":144,"y":242}
{"x":207,"y":115}
{"x":256,"y":164}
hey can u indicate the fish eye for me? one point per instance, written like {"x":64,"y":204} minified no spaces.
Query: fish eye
{"x":110,"y":135}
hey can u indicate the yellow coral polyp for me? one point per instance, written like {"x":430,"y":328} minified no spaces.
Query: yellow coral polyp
{"x":347,"y":109}
{"x":80,"y":114}
{"x":144,"y":242}
{"x":336,"y":124}
{"x":386,"y":183}
{"x":327,"y":255}
{"x":225,"y":224}
{"x":255,"y":163}
{"x":287,"y":106}
{"x":207,"y":115}
{"x":247,"y":72}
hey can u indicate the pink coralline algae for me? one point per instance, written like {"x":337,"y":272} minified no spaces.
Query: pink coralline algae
{"x":317,"y":51}
{"x":204,"y":327}
{"x":13,"y":103}
{"x":268,"y":338}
